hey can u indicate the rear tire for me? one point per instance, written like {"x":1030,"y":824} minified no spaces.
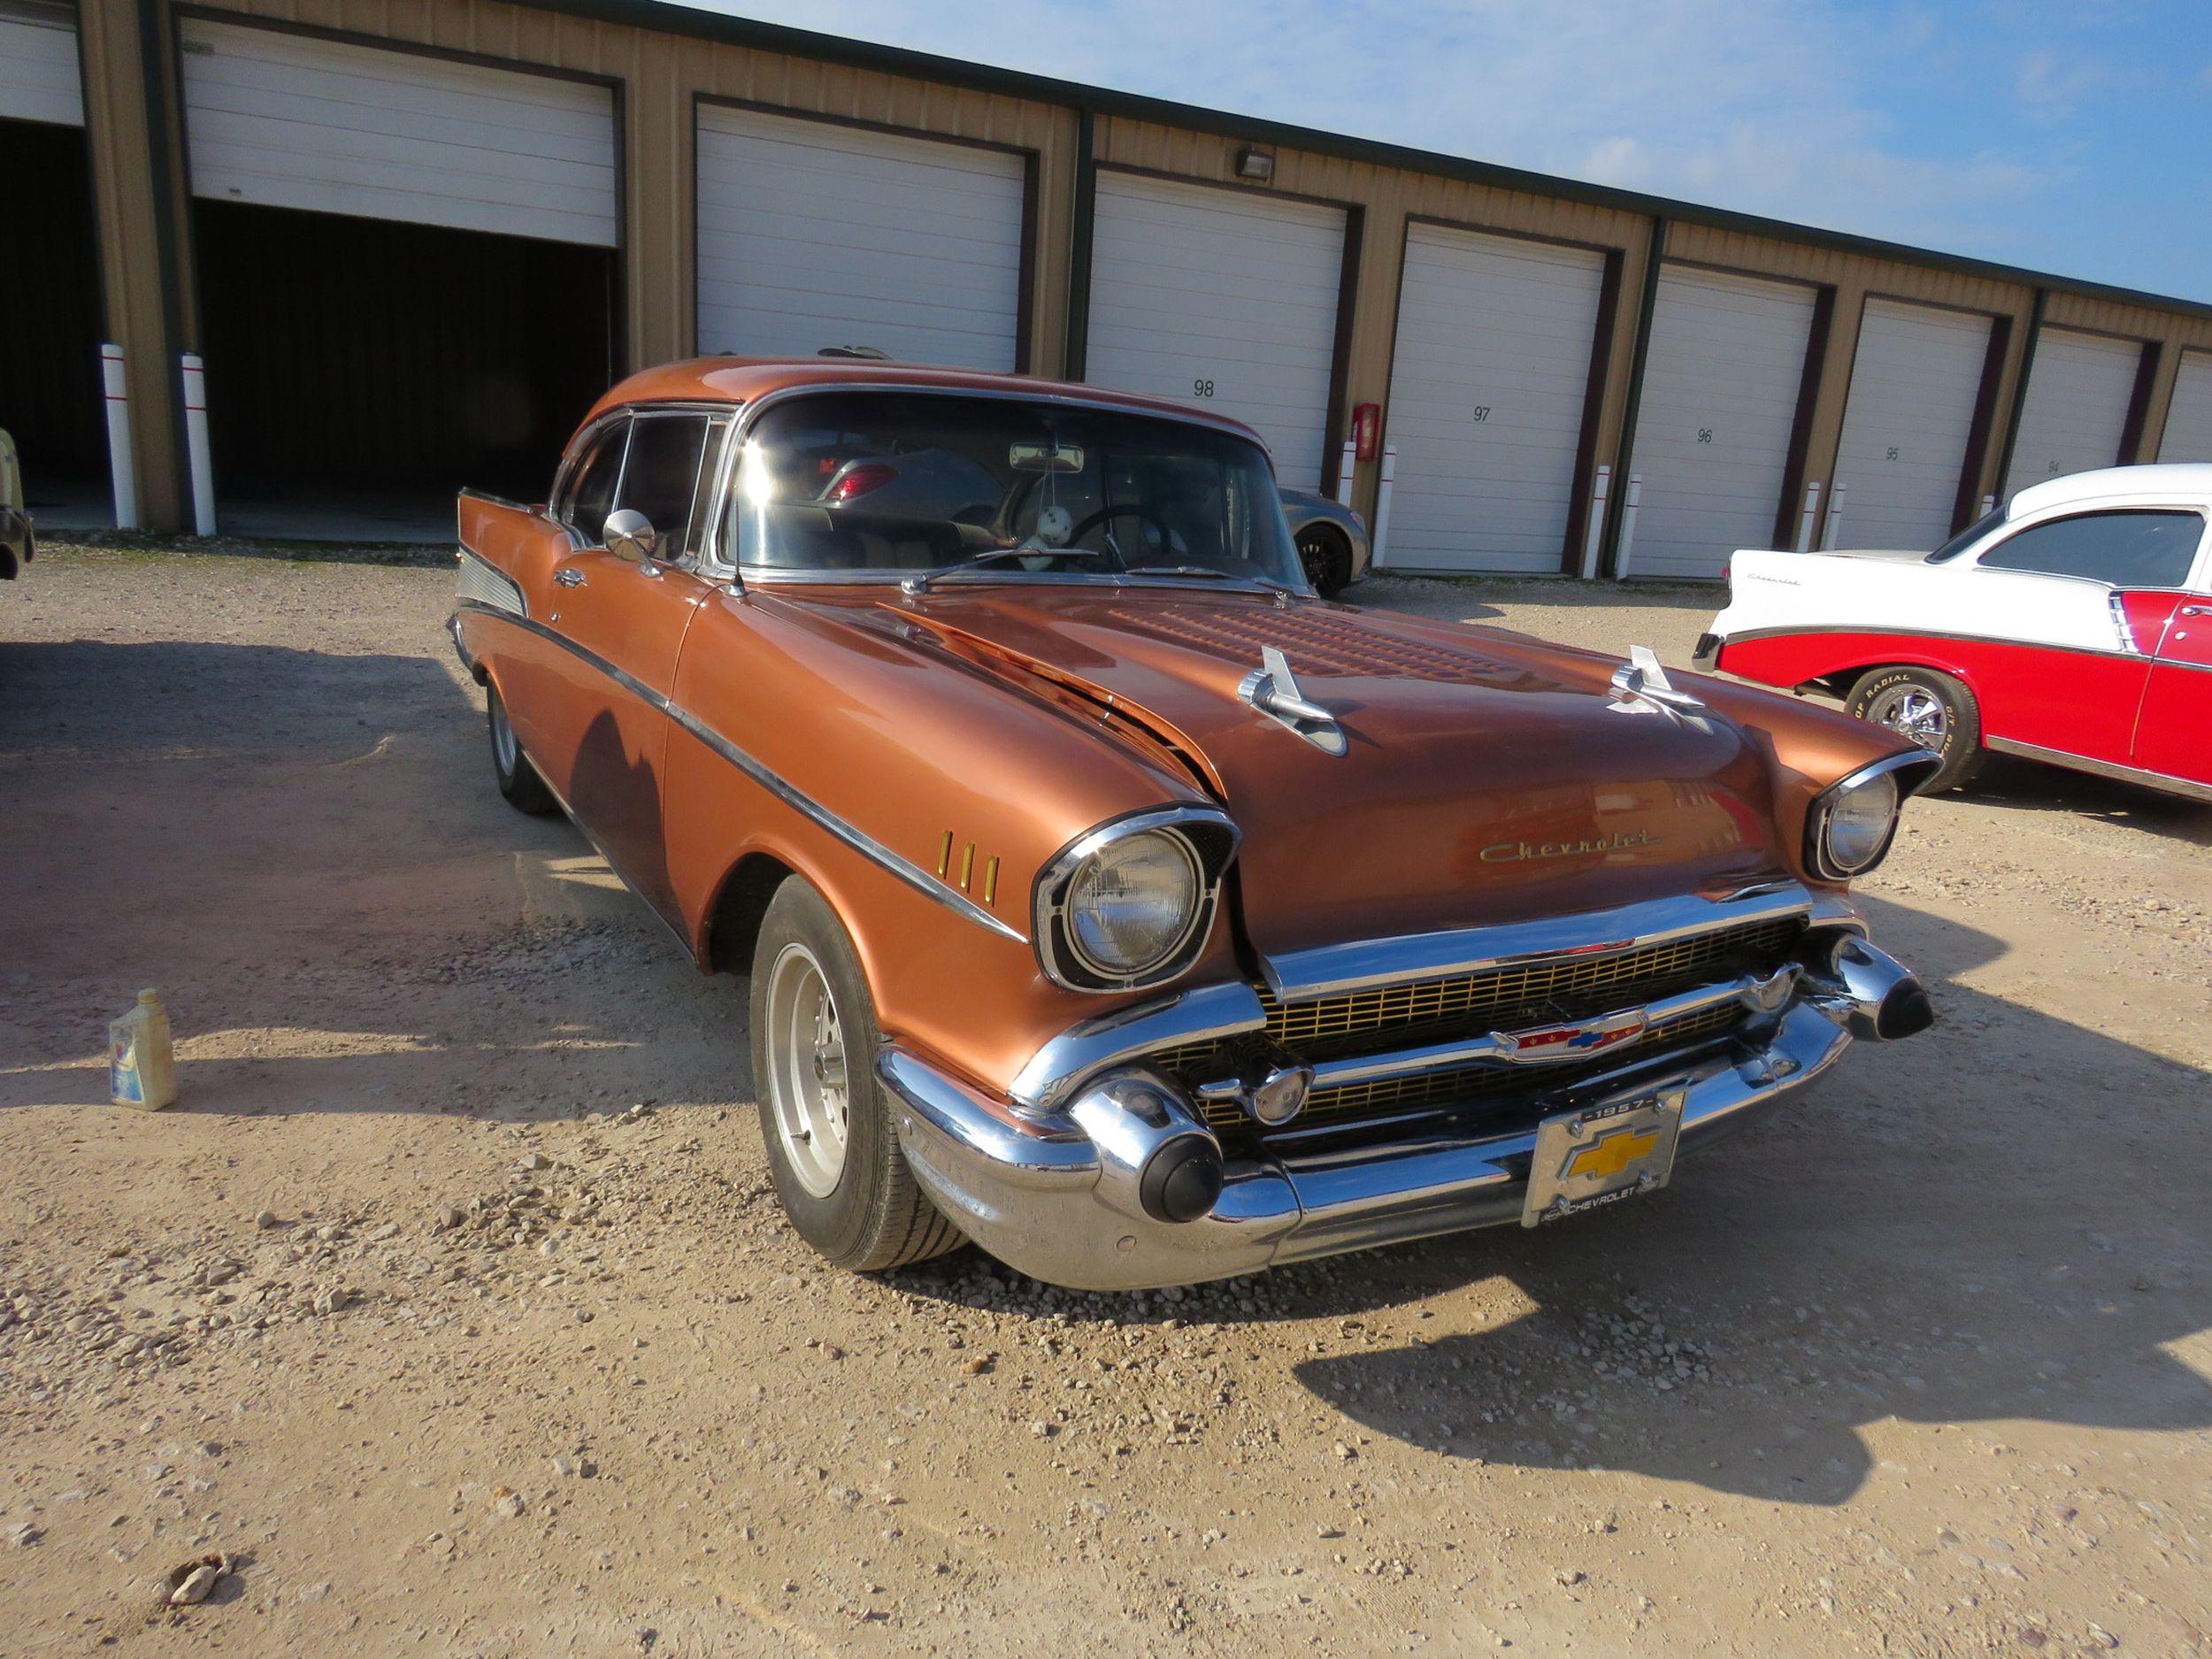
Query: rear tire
{"x":833,"y":1152}
{"x":1326,"y":557}
{"x":1934,"y":709}
{"x":519,"y":779}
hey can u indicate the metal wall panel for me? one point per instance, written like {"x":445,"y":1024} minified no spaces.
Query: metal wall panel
{"x":2079,"y":388}
{"x":1722,"y":375}
{"x":2188,"y":435}
{"x":814,"y":233}
{"x":1487,"y":388}
{"x":281,"y":120}
{"x":1916,"y":383}
{"x":39,"y":79}
{"x":1224,"y":297}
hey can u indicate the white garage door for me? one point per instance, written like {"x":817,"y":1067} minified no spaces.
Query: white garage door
{"x":2079,"y":387}
{"x":1722,"y":373}
{"x":285,"y":121}
{"x":1224,"y":297}
{"x":1916,"y":383}
{"x":38,"y":62}
{"x":2189,"y":418}
{"x":814,"y":235}
{"x":1486,"y":387}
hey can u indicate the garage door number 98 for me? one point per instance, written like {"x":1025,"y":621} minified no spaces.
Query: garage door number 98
{"x":1202,"y":388}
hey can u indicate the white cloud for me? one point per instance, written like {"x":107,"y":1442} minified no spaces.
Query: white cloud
{"x":1763,"y":106}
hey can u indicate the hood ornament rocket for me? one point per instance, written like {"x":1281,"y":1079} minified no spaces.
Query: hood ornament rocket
{"x":1273,"y":691}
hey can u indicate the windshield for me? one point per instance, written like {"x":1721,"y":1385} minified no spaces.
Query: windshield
{"x":860,"y":485}
{"x":1967,"y":537}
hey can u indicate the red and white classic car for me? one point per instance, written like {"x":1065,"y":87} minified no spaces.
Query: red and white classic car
{"x":2072,"y":626}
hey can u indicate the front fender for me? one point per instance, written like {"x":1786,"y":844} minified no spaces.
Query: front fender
{"x":919,"y":794}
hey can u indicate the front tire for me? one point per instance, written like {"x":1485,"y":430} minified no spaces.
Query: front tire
{"x":518,"y":780}
{"x":833,"y":1153}
{"x":1934,"y":709}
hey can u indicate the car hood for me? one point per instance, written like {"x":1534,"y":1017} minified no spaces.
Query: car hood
{"x":1486,"y":776}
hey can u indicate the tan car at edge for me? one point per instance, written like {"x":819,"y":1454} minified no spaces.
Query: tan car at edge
{"x":1108,"y":898}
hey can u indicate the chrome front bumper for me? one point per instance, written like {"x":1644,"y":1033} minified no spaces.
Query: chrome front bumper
{"x":1056,"y":1196}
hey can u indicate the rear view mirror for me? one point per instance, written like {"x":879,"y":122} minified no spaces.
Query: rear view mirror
{"x":1045,"y":458}
{"x":630,"y":535}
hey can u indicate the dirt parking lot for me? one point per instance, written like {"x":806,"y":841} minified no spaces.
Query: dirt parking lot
{"x":452,"y":1301}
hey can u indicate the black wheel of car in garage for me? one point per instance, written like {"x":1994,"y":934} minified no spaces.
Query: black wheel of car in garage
{"x":519,"y":779}
{"x":833,"y":1152}
{"x":1327,"y":559}
{"x":1933,"y":710}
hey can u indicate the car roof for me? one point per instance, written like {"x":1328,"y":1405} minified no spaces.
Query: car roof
{"x":747,"y":380}
{"x":2168,"y":481}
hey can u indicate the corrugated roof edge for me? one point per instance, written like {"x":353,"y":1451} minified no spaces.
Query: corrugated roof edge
{"x":666,"y":18}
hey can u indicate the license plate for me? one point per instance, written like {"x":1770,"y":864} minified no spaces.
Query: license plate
{"x":1599,"y":1155}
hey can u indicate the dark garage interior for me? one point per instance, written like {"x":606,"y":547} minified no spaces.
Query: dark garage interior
{"x":50,"y":315}
{"x":380,"y":366}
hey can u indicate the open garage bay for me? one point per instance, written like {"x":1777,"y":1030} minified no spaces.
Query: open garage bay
{"x":452,"y":1300}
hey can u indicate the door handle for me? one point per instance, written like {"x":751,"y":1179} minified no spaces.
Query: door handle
{"x":569,"y":579}
{"x":2196,"y":610}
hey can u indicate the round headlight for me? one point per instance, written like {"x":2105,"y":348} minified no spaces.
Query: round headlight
{"x":1132,"y":903}
{"x":1858,"y":824}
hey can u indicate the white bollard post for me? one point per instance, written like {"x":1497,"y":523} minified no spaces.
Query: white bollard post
{"x":1382,"y":506}
{"x":121,"y":471}
{"x":1347,"y":469}
{"x":1989,"y":506}
{"x":1597,"y":524}
{"x":1809,"y":518}
{"x":1628,"y":526}
{"x":196,"y":445}
{"x":1835,"y":516}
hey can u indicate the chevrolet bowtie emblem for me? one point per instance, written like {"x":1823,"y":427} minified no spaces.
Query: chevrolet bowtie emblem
{"x":1577,"y":1040}
{"x":1611,"y":1153}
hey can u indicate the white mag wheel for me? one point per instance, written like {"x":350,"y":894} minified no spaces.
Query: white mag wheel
{"x":809,"y":1086}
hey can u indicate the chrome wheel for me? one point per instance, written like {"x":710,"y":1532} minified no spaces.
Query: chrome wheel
{"x":504,"y":749}
{"x":807,"y":1083}
{"x":1912,"y":710}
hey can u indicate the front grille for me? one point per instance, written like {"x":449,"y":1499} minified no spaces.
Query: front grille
{"x":1414,"y":1013}
{"x":1472,"y":1084}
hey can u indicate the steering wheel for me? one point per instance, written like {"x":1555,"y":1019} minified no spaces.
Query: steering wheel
{"x":1090,"y":521}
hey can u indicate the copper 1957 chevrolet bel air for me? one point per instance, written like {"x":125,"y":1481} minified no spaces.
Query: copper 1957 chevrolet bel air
{"x":1109,"y":899}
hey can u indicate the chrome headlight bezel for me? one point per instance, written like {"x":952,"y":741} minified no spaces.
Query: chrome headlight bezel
{"x":1205,"y":834}
{"x":1904,"y":773}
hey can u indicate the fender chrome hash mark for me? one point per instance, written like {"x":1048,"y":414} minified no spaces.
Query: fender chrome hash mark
{"x":858,"y":840}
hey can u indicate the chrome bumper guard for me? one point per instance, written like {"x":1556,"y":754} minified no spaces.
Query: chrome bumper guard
{"x":1064,"y":1196}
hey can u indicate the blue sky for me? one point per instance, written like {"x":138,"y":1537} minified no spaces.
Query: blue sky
{"x":2073,"y":137}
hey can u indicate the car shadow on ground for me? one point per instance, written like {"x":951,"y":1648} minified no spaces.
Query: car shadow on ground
{"x":1859,"y":1257}
{"x":2026,"y":785}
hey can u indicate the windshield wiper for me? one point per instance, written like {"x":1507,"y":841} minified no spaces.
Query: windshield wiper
{"x":1206,"y":571}
{"x":919,"y":581}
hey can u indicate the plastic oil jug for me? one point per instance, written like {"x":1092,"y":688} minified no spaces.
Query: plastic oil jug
{"x":142,"y":1063}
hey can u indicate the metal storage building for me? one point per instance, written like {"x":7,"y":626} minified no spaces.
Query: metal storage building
{"x":411,"y":241}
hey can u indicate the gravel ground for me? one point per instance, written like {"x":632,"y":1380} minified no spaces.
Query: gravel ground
{"x":451,"y":1304}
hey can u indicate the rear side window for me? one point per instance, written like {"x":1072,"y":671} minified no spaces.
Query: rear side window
{"x":662,"y":479}
{"x":2126,"y":550}
{"x":591,"y":490}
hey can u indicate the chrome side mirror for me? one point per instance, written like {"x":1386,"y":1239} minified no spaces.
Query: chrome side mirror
{"x":629,"y":535}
